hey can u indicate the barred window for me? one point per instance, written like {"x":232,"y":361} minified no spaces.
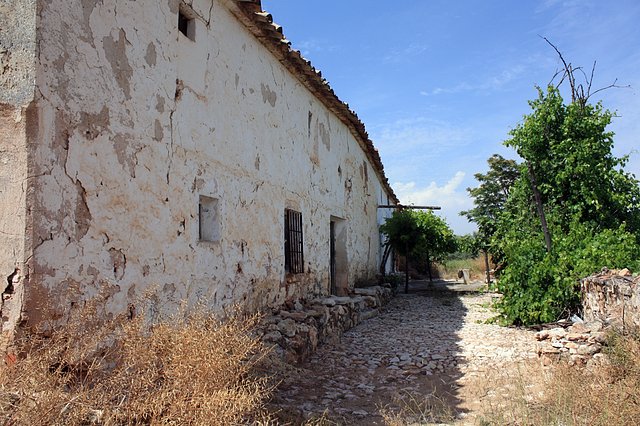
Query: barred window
{"x":293,"y":253}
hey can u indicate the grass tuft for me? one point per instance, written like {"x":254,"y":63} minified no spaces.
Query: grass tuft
{"x":449,"y":269}
{"x":604,"y":393}
{"x":422,"y":410}
{"x":186,"y":369}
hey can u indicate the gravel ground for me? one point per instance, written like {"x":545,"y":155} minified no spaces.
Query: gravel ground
{"x":428,"y":354}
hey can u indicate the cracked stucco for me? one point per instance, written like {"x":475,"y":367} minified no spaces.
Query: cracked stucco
{"x":134,"y":122}
{"x":17,"y":82}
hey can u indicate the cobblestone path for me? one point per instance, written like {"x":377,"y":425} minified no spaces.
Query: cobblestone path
{"x":426,"y":352}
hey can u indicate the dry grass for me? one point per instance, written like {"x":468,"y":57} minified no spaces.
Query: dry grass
{"x":604,"y":394}
{"x":188,"y":369}
{"x":449,"y":270}
{"x":423,"y":410}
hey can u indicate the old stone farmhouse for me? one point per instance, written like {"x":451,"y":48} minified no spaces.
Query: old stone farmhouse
{"x":181,"y":146}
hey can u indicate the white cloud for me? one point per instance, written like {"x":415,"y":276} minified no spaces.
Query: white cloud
{"x":412,"y":50}
{"x":451,"y":197}
{"x":491,"y":83}
{"x":308,"y":47}
{"x":406,"y":135}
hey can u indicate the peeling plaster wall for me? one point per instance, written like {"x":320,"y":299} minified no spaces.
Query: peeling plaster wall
{"x":137,"y":122}
{"x":17,"y":75}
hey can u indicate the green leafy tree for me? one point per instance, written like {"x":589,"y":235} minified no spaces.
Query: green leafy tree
{"x":418,"y":235}
{"x":489,"y":199}
{"x":572,"y":210}
{"x":402,"y":235}
{"x":437,"y":239}
{"x":567,"y":151}
{"x":467,"y":246}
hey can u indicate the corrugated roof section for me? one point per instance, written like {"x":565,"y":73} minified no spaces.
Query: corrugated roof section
{"x":261,"y":24}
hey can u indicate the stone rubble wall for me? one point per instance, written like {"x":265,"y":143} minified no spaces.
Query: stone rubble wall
{"x":612,"y":297}
{"x":610,"y":300}
{"x":295,"y":331}
{"x":580,"y":342}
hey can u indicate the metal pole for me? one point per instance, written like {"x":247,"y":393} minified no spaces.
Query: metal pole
{"x":406,"y":269}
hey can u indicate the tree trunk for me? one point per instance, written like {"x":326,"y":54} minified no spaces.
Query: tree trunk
{"x":385,"y":257}
{"x":540,"y":207}
{"x":429,"y":267}
{"x":486,"y":266}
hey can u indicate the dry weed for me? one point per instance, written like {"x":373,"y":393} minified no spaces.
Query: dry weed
{"x":449,"y":269}
{"x":602,"y":394}
{"x":188,"y":369}
{"x":422,"y":410}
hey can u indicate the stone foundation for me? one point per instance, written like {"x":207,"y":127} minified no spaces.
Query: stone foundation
{"x":296,"y":330}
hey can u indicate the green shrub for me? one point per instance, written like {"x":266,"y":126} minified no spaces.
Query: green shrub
{"x":539,"y":287}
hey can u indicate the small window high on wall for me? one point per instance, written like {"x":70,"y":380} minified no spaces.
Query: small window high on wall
{"x":293,"y":243}
{"x":186,"y":22}
{"x":208,"y":219}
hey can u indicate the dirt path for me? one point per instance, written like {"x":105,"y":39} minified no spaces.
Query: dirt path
{"x":429,"y":355}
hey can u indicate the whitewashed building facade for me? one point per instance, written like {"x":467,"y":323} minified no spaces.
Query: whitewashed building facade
{"x":181,"y":146}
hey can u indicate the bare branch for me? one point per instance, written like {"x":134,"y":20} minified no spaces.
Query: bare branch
{"x":578,"y":92}
{"x":612,"y":86}
{"x":593,"y":70}
{"x":558,"y":72}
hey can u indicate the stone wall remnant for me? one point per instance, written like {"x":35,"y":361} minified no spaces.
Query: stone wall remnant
{"x":296,"y":331}
{"x":610,"y":302}
{"x":612,"y":297}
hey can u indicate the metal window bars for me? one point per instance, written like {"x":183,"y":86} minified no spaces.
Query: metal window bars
{"x":293,"y":243}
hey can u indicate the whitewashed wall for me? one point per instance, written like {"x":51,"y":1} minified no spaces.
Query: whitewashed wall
{"x":136,"y":122}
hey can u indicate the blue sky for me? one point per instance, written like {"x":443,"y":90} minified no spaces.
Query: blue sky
{"x":439,"y":83}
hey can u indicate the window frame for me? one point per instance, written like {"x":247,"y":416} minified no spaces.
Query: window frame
{"x":208,"y":219}
{"x":186,"y":22}
{"x":293,"y":242}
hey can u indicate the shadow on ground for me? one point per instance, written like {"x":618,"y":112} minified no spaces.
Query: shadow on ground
{"x":405,"y":362}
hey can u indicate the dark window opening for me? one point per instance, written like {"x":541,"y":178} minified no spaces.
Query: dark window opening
{"x":187,"y":25}
{"x":293,"y":252}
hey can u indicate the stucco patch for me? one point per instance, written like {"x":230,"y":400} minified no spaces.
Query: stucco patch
{"x":151,"y":55}
{"x":87,"y":9}
{"x":325,"y":137}
{"x":126,"y":160}
{"x":159,"y":103}
{"x":179,"y":89}
{"x":174,"y":6}
{"x":82,"y":212}
{"x":268,"y":95}
{"x":197,"y":185}
{"x":119,"y":261}
{"x":365,"y":174}
{"x":92,"y":125}
{"x":116,"y":53}
{"x":158,"y":132}
{"x":17,"y":51}
{"x":5,"y":59}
